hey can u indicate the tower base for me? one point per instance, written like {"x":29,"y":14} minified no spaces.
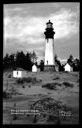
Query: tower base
{"x":49,"y":67}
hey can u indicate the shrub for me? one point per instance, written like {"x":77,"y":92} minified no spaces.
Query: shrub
{"x":56,"y":83}
{"x":9,"y":76}
{"x":27,"y":80}
{"x":23,"y":80}
{"x":49,"y":86}
{"x":6,"y":95}
{"x":56,"y":78}
{"x":23,"y":86}
{"x":20,"y":81}
{"x":67,"y":84}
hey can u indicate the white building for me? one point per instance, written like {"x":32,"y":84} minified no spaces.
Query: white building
{"x":19,"y":73}
{"x":34,"y":68}
{"x":68,"y":68}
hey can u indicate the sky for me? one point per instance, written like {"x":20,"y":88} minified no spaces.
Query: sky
{"x":24,"y":26}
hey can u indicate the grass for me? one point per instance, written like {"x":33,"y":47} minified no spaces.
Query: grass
{"x":47,"y":106}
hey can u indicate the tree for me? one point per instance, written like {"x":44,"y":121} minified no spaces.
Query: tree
{"x":56,"y":57}
{"x":57,"y":62}
{"x":18,"y":60}
{"x":11,"y":61}
{"x":6,"y":62}
{"x":76,"y":65}
{"x":28,"y":62}
{"x":33,"y":57}
{"x":24,"y":61}
{"x":70,"y":60}
{"x":41,"y":65}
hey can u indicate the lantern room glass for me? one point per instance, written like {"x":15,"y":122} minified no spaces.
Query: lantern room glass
{"x":49,"y":25}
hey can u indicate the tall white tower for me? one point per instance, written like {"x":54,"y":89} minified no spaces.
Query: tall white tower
{"x":49,"y":47}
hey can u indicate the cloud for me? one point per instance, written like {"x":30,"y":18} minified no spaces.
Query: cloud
{"x":29,"y":29}
{"x":65,"y":24}
{"x":34,"y":9}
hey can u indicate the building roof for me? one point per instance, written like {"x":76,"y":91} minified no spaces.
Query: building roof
{"x":20,"y":69}
{"x":49,"y":22}
{"x":67,"y":64}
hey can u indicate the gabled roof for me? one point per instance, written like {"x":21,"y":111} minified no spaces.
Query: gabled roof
{"x":20,"y":69}
{"x":68,"y":64}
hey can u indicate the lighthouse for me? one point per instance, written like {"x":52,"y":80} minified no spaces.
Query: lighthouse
{"x":49,"y":63}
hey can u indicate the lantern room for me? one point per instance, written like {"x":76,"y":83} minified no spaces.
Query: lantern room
{"x":49,"y":31}
{"x":49,"y":24}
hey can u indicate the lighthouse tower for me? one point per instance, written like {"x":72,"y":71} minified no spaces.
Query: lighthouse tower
{"x":49,"y":47}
